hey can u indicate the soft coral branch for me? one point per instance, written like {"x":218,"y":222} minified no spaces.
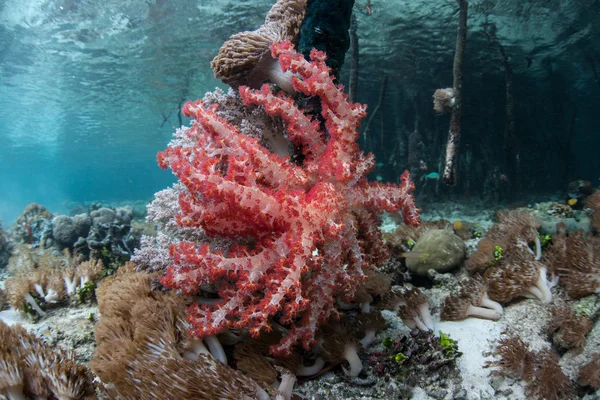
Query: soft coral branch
{"x":313,"y":225}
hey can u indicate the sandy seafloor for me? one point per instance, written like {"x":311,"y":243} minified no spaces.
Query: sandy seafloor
{"x":73,"y":328}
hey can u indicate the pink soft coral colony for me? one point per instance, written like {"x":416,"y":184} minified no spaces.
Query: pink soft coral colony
{"x":314,"y":225}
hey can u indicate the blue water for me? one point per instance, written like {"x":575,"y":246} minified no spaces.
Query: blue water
{"x":84,"y":88}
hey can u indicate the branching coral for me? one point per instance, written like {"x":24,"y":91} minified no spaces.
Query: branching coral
{"x":28,"y":366}
{"x":253,"y":122}
{"x":313,"y":225}
{"x":153,"y":254}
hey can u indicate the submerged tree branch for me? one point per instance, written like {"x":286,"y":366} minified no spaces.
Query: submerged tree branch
{"x":449,"y":176}
{"x":353,"y":86}
{"x":379,"y":105}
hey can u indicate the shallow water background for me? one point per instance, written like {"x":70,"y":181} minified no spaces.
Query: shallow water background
{"x":89,"y":90}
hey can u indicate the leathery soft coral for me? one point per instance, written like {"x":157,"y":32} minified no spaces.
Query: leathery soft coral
{"x":312,"y":222}
{"x":511,"y":268}
{"x":411,"y":305}
{"x":471,"y":301}
{"x":33,"y":369}
{"x":575,"y":258}
{"x":32,"y":290}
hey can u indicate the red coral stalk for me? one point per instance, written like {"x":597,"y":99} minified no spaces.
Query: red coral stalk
{"x":313,"y":225}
